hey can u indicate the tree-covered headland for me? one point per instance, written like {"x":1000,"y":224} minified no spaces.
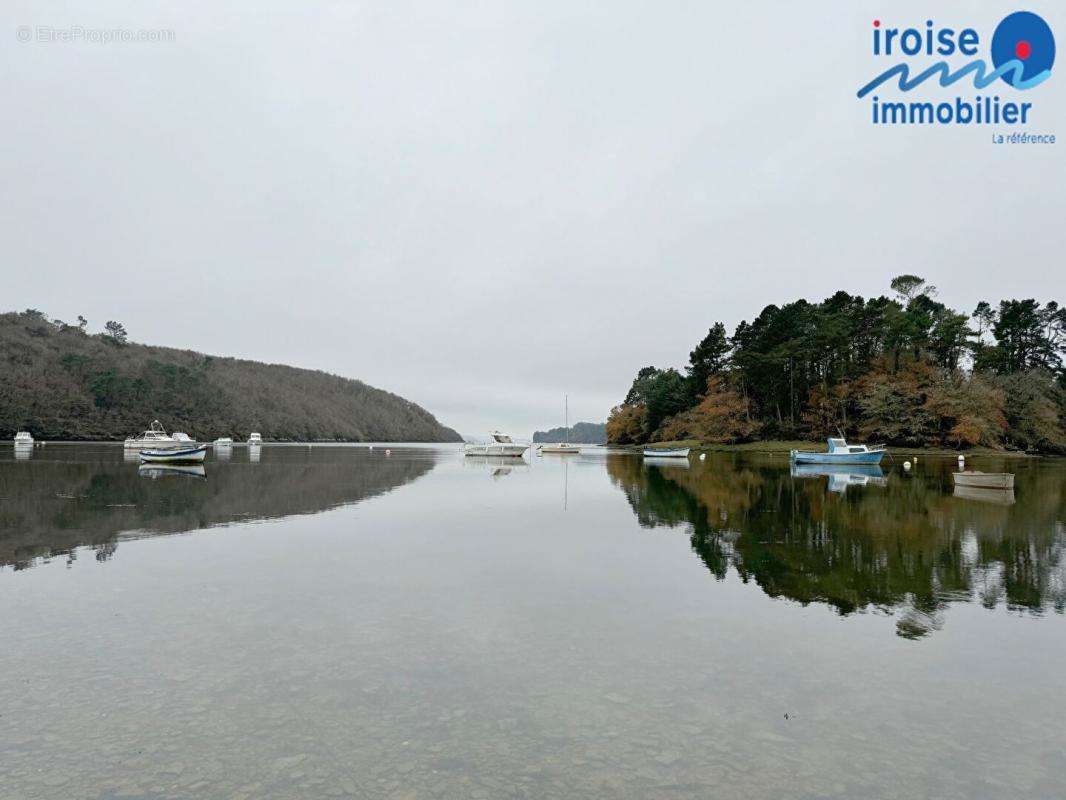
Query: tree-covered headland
{"x":905,"y":370}
{"x":62,"y":382}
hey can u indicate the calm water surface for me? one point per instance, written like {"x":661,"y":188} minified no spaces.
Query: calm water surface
{"x":337,"y":622}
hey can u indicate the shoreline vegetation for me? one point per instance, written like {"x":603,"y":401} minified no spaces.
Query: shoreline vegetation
{"x":906,"y":371}
{"x":781,"y":447}
{"x":62,"y":383}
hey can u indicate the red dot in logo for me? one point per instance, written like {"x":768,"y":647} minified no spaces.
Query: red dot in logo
{"x":1023,"y":50}
{"x":877,"y":23}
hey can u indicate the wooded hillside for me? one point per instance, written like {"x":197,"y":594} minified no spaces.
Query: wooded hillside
{"x":904,"y":370}
{"x":60,"y":382}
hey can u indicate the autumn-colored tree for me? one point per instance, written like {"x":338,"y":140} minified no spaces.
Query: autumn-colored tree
{"x":827,"y":409}
{"x":968,"y":410}
{"x":893,"y":403}
{"x":723,"y":416}
{"x":625,"y":425}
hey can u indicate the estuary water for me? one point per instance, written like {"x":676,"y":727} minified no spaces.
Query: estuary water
{"x":336,"y":621}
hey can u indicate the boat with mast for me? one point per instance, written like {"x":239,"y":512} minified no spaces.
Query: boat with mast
{"x":562,"y":448}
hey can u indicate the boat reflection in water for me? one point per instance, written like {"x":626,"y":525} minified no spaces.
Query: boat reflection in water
{"x":667,"y":462}
{"x":997,"y":497}
{"x":841,"y":476}
{"x":498,"y":466}
{"x":172,"y":470}
{"x":254,"y":452}
{"x":909,"y":546}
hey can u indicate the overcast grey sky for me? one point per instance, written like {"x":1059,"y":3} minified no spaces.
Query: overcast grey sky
{"x":481,"y":206}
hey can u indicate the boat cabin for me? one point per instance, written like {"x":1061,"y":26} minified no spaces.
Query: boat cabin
{"x":500,"y":438}
{"x":155,"y":431}
{"x":841,"y":446}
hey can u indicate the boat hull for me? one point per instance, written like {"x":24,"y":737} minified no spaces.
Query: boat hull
{"x":561,"y":449}
{"x":677,"y":453}
{"x":807,"y":457}
{"x":194,"y":455}
{"x":141,"y":444}
{"x":501,"y":450}
{"x":984,"y":480}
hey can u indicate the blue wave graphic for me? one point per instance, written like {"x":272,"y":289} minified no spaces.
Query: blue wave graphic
{"x":947,"y":77}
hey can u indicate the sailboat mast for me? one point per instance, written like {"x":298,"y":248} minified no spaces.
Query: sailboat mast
{"x":566,"y":416}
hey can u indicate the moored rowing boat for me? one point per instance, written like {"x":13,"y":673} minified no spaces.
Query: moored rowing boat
{"x":662,"y":452}
{"x":984,"y":480}
{"x":194,"y":455}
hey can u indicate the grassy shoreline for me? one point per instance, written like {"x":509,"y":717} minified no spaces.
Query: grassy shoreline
{"x":777,"y":447}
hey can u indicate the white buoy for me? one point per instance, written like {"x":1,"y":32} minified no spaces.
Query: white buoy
{"x":703,"y":456}
{"x":388,"y":452}
{"x":906,"y":465}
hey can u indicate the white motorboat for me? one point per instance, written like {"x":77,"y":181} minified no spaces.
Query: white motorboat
{"x":563,"y":448}
{"x":194,"y":455}
{"x":157,"y":438}
{"x":984,"y":480}
{"x":223,"y":441}
{"x":666,"y":452}
{"x":254,"y":438}
{"x":23,"y":439}
{"x":501,"y":445}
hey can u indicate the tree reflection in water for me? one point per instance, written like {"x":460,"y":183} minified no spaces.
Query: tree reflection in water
{"x":63,"y":500}
{"x":905,"y":543}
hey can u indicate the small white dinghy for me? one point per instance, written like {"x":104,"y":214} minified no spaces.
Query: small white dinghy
{"x":194,"y":455}
{"x":562,"y":448}
{"x":677,"y":452}
{"x":984,"y":480}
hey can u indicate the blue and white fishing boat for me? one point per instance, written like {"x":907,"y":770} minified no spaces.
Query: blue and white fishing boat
{"x":193,"y":455}
{"x":840,"y":452}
